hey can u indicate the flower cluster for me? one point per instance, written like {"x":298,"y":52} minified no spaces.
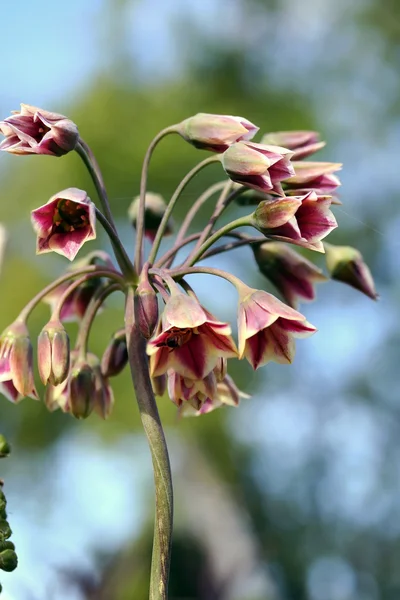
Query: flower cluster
{"x":186,"y":349}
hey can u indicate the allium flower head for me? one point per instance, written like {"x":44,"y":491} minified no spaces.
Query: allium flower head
{"x":33,"y":130}
{"x":258,"y":166}
{"x":188,"y":339}
{"x":301,"y":220}
{"x":16,"y":370}
{"x":65,"y":223}
{"x":302,"y":143}
{"x":292,"y":274}
{"x":216,"y":132}
{"x":267,"y":328}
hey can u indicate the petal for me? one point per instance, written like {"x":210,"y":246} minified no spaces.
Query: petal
{"x":67,"y":244}
{"x":183,"y":311}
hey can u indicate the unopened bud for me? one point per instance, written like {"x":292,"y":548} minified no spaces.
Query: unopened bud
{"x":215,"y":132}
{"x":5,"y":530}
{"x":275,"y":213}
{"x":103,"y":394}
{"x":16,"y":350}
{"x":53,"y":353}
{"x":115,"y":356}
{"x":146,"y":306}
{"x":81,"y":389}
{"x":8,"y":560}
{"x":346,"y":264}
{"x":4,"y":447}
{"x":154,"y":210}
{"x":302,"y":143}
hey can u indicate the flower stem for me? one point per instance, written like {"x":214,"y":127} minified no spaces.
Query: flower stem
{"x":159,"y":453}
{"x":232,"y":245}
{"x":241,"y":222}
{"x":182,"y":271}
{"x":173,"y":201}
{"x":166,"y":259}
{"x":143,"y":186}
{"x":119,"y":250}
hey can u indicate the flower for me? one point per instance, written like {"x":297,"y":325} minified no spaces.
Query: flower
{"x":346,"y":264}
{"x":194,"y":391}
{"x":16,"y":370}
{"x":33,"y":130}
{"x":267,"y":328}
{"x":292,"y":274}
{"x":316,"y":176}
{"x":154,"y":209}
{"x":258,"y":166}
{"x":188,"y":339}
{"x":65,"y":223}
{"x":76,"y":303}
{"x":302,"y":143}
{"x":146,"y":305}
{"x":115,"y":357}
{"x":215,"y":132}
{"x":227,"y":393}
{"x":53,"y":353}
{"x":301,"y":220}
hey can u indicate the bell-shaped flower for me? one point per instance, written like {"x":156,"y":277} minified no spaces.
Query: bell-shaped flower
{"x":258,"y":166}
{"x":65,"y":223}
{"x":267,"y":328}
{"x":314,"y":176}
{"x":33,"y":130}
{"x":227,"y":394}
{"x":292,"y":274}
{"x":215,"y":132}
{"x":154,"y":209}
{"x":16,"y":368}
{"x":302,"y":143}
{"x":188,"y":339}
{"x":301,"y":220}
{"x":194,"y":391}
{"x":115,"y":357}
{"x":346,"y":264}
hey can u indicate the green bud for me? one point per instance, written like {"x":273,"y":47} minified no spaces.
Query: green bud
{"x":4,"y":447}
{"x":6,"y":546}
{"x":115,"y":356}
{"x":8,"y":560}
{"x":81,"y":390}
{"x":5,"y":530}
{"x":346,"y":264}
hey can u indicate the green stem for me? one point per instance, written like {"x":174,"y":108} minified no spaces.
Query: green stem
{"x":241,"y":222}
{"x":94,"y":305}
{"x":138,"y":361}
{"x":119,"y":250}
{"x":143,"y":187}
{"x":169,"y":255}
{"x":90,"y":270}
{"x":233,"y":245}
{"x":182,"y":271}
{"x":173,"y":201}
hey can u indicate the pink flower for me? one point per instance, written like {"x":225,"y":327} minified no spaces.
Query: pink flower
{"x":188,"y":340}
{"x":301,"y":220}
{"x":74,"y":307}
{"x":267,"y":328}
{"x":65,"y":223}
{"x":302,"y":143}
{"x":194,"y":391}
{"x":292,"y":274}
{"x":227,"y":394}
{"x":314,"y":176}
{"x":37,"y":131}
{"x":258,"y":166}
{"x":215,"y":132}
{"x":346,"y":264}
{"x":16,"y":370}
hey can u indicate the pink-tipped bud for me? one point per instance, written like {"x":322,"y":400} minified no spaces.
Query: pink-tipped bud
{"x":81,"y":389}
{"x":16,"y":369}
{"x":146,"y":305}
{"x":115,"y":356}
{"x":302,"y":143}
{"x":53,"y":353}
{"x":346,"y":264}
{"x":103,"y":394}
{"x":275,"y":212}
{"x":215,"y":132}
{"x":155,"y":207}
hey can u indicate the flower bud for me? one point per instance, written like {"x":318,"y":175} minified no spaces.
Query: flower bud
{"x":153,"y":213}
{"x":146,"y":305}
{"x":215,"y":132}
{"x":8,"y":560}
{"x":302,"y":143}
{"x":53,"y":353}
{"x":82,"y":389}
{"x":103,"y":394}
{"x":5,"y":530}
{"x":275,"y":213}
{"x":3,"y":504}
{"x":346,"y":264}
{"x":115,"y":356}
{"x":4,"y":447}
{"x":16,"y":371}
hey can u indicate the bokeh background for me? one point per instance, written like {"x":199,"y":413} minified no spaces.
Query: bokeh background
{"x":294,"y":495}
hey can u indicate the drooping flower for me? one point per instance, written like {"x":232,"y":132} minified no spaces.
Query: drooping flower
{"x":314,"y":176}
{"x":188,"y":339}
{"x":258,"y":166}
{"x":115,"y":357}
{"x":292,"y":274}
{"x":194,"y":391}
{"x":215,"y":132}
{"x":227,"y":394}
{"x":146,"y":305}
{"x":346,"y":264}
{"x":154,"y":209}
{"x":302,"y":143}
{"x":53,"y":353}
{"x":33,"y":130}
{"x":16,"y":369}
{"x":65,"y":223}
{"x":267,"y":328}
{"x":76,"y":303}
{"x":301,"y":220}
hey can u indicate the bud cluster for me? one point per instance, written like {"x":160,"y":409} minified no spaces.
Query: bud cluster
{"x":8,"y":556}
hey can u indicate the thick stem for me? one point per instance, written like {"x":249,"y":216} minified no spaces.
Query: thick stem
{"x":159,"y":453}
{"x":143,"y":186}
{"x":173,"y":201}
